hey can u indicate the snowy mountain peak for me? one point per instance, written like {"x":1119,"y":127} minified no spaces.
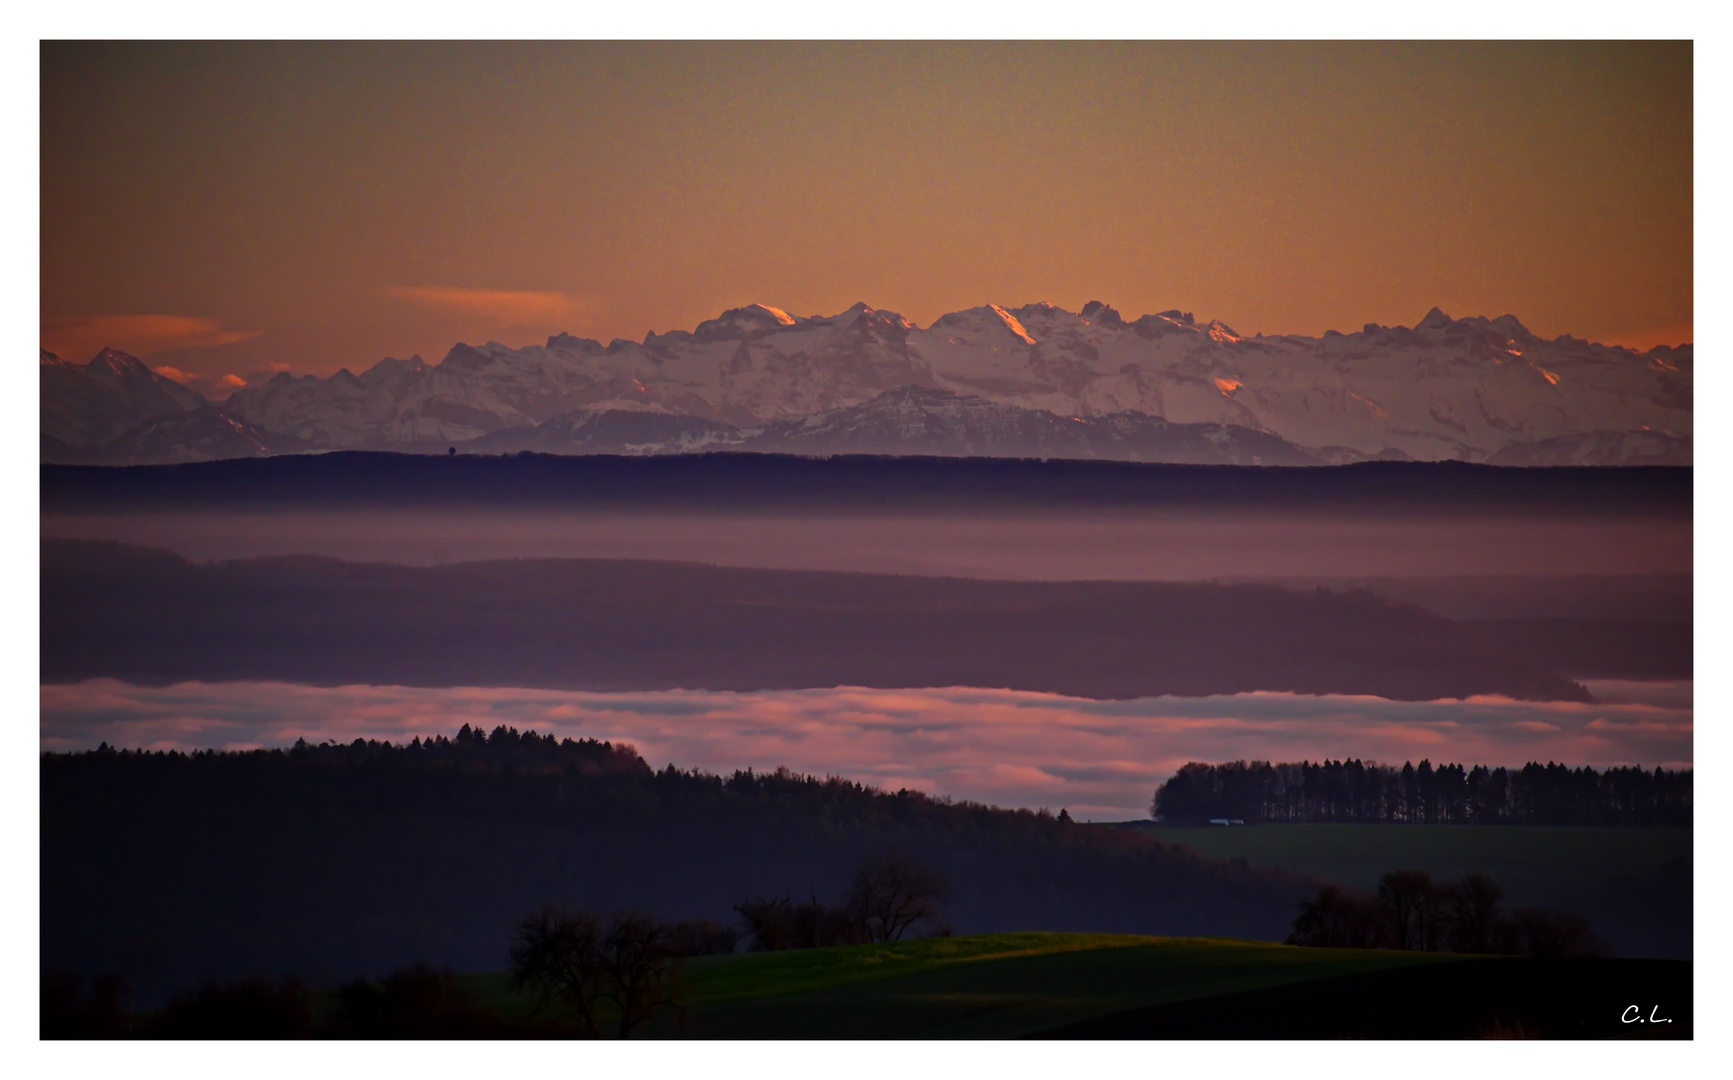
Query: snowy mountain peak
{"x":1462,"y":389}
{"x":118,"y":362}
{"x":1669,"y":357}
{"x":1434,"y":320}
{"x":1100,"y":314}
{"x":1012,"y":324}
{"x":867,"y":322}
{"x":90,"y":404}
{"x":778,"y":314}
{"x":754,"y":320}
{"x":1511,"y":326}
{"x":568,"y":343}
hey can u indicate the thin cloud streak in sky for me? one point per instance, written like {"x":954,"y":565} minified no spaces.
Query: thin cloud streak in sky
{"x":1100,"y":759}
{"x":504,"y":307}
{"x":80,"y":339}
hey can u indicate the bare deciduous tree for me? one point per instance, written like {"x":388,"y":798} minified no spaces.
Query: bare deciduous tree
{"x":1410,"y":912}
{"x":891,"y":894}
{"x":770,"y":921}
{"x":1411,"y":909}
{"x":557,"y":954}
{"x":566,"y":957}
{"x":637,"y":957}
{"x":1337,"y":918}
{"x":1477,"y":923}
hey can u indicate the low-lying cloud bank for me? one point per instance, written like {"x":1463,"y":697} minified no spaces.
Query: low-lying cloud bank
{"x":1101,"y":760}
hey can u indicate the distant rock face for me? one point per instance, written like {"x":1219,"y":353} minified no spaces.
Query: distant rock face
{"x":612,"y":431}
{"x":204,"y":434}
{"x":919,"y":420}
{"x":904,"y":420}
{"x":1600,"y":448}
{"x":1461,"y":389}
{"x":90,"y":404}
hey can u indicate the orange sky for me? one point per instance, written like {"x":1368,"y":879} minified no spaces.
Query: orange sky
{"x":233,"y":209}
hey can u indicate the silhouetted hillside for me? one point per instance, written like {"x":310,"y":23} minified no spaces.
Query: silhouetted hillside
{"x":724,"y":481}
{"x":152,"y":617}
{"x":331,"y":861}
{"x":1594,"y":648}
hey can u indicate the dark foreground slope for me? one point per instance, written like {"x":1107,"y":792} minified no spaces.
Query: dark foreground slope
{"x":992,"y":986}
{"x":861,"y":483}
{"x":1101,"y":986}
{"x":327,"y":862}
{"x":153,"y":617}
{"x":1464,"y":999}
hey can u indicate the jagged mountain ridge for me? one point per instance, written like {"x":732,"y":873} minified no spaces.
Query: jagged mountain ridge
{"x":906,"y":420}
{"x":206,"y":434}
{"x":1463,"y":389}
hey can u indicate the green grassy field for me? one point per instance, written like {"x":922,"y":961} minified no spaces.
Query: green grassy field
{"x":989,"y":986}
{"x":1026,"y":985}
{"x":1121,"y":986}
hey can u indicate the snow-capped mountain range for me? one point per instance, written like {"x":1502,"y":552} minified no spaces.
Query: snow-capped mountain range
{"x":94,"y":403}
{"x":1030,"y":381}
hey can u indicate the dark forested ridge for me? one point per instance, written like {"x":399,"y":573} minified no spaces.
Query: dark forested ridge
{"x":856,"y":483}
{"x":1354,"y":791}
{"x":330,"y":861}
{"x":152,"y":617}
{"x":1586,"y":626}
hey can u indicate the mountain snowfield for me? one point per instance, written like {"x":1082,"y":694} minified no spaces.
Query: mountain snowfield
{"x":997,"y":381}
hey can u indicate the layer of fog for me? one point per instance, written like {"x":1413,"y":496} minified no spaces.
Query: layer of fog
{"x":1102,"y":760}
{"x":1028,"y":547}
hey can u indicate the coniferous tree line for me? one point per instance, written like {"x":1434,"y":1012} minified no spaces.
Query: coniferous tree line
{"x":1451,"y":794}
{"x":324,"y":861}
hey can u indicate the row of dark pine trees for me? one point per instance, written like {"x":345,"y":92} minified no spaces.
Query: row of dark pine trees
{"x":1356,"y":791}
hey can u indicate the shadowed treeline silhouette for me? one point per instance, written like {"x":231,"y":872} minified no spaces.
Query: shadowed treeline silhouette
{"x":1411,"y":911}
{"x":857,"y":483}
{"x":333,"y":861}
{"x":614,"y":977}
{"x":1355,"y":791}
{"x":152,"y":617}
{"x":412,"y":1002}
{"x":891,"y":896}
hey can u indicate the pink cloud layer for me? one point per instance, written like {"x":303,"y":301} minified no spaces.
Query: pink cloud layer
{"x":1100,"y":759}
